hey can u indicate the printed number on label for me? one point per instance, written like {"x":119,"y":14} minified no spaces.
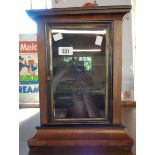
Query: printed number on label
{"x":65,"y":50}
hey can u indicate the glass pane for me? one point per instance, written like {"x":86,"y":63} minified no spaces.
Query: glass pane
{"x":79,"y":72}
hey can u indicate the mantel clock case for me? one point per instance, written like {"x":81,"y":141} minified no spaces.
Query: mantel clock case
{"x":79,"y":52}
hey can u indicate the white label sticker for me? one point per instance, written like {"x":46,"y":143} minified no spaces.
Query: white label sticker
{"x":98,"y":40}
{"x":57,"y":36}
{"x":65,"y":51}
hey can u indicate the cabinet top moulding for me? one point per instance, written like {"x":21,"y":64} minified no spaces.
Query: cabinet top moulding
{"x":122,"y":9}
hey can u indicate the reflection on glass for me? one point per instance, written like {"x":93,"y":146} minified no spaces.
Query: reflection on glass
{"x":87,"y":61}
{"x":79,"y":76}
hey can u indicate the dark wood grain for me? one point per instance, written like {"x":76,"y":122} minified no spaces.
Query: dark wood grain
{"x":108,"y":138}
{"x":122,"y":9}
{"x":117,"y":71}
{"x":76,"y":137}
{"x":81,"y":151}
{"x":42,"y":72}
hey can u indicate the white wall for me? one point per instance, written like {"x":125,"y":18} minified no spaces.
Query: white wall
{"x":127,"y":56}
{"x":79,"y":3}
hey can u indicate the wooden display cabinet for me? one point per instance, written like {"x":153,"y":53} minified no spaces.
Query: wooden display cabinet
{"x":80,"y":55}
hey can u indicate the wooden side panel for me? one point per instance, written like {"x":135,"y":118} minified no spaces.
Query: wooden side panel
{"x":117,"y":71}
{"x":42,"y":72}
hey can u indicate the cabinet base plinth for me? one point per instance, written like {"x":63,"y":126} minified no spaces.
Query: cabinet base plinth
{"x":46,"y":138}
{"x":79,"y":151}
